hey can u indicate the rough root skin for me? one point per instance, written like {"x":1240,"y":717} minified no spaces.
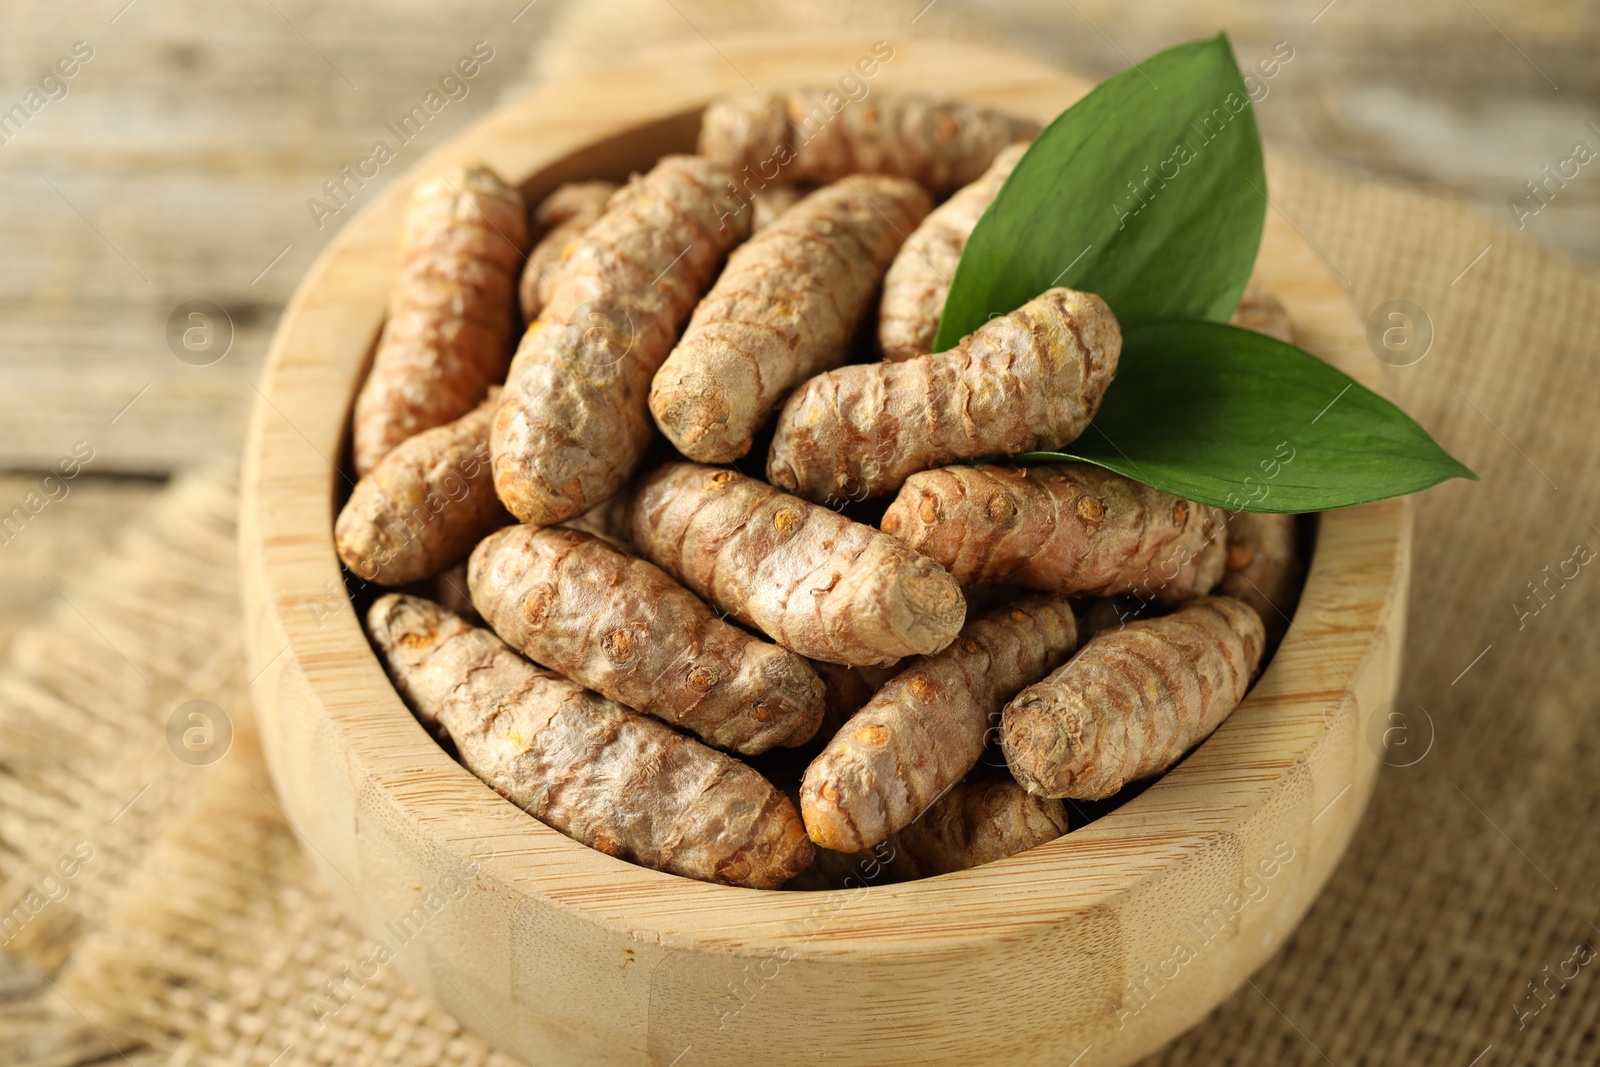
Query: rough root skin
{"x":447,"y":333}
{"x":448,"y":589}
{"x":1133,"y":701}
{"x":927,"y":726}
{"x":1110,"y":613}
{"x":812,"y":580}
{"x":561,"y":218}
{"x":617,"y":781}
{"x":607,"y":520}
{"x":1066,"y":528}
{"x":573,"y":421}
{"x":918,"y":281}
{"x":847,"y":691}
{"x":784,"y":309}
{"x":771,"y":201}
{"x":1028,"y":380}
{"x":624,"y":628}
{"x":985,"y":817}
{"x":798,"y":137}
{"x":424,"y":505}
{"x":1262,"y":312}
{"x":1265,"y":568}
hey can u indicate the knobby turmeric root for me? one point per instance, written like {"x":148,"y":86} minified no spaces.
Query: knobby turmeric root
{"x":622,"y":627}
{"x":927,"y":726}
{"x":573,"y":422}
{"x":607,"y":520}
{"x":771,"y":201}
{"x":812,"y":580}
{"x":1262,"y":312}
{"x":816,"y":135}
{"x":1028,"y":380}
{"x":446,"y":337}
{"x":1067,"y":528}
{"x":982,"y":599}
{"x":1133,"y":701}
{"x":846,"y":691}
{"x":919,"y":278}
{"x":1265,"y":568}
{"x":785,"y":308}
{"x":985,"y":817}
{"x":562,"y":217}
{"x":615,"y":780}
{"x":1111,"y":613}
{"x":424,"y":505}
{"x":448,"y":589}
{"x":845,"y":870}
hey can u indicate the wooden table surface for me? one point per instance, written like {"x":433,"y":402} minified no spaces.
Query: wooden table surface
{"x":178,"y":164}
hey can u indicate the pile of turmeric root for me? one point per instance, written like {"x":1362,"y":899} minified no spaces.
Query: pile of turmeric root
{"x":891,"y":656}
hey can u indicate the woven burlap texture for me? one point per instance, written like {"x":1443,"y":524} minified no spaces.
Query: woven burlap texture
{"x":197,"y":933}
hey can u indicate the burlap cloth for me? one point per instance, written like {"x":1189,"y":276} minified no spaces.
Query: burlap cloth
{"x":196,"y":933}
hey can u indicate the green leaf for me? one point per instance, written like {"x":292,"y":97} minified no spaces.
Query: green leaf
{"x":1244,"y":421}
{"x":1149,"y":191}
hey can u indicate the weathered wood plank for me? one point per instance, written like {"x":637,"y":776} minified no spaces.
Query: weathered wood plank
{"x":178,"y":165}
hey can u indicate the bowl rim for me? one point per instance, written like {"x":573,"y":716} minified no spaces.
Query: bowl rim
{"x":290,"y":490}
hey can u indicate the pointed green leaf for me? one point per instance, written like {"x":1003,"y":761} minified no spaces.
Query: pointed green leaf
{"x":1149,"y":191}
{"x":1244,"y":421}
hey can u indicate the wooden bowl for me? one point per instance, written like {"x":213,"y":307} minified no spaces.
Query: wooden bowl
{"x":1112,"y":939}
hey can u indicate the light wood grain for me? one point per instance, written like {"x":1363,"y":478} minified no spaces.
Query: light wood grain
{"x":563,"y":955}
{"x":191,"y":142}
{"x":177,"y":167}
